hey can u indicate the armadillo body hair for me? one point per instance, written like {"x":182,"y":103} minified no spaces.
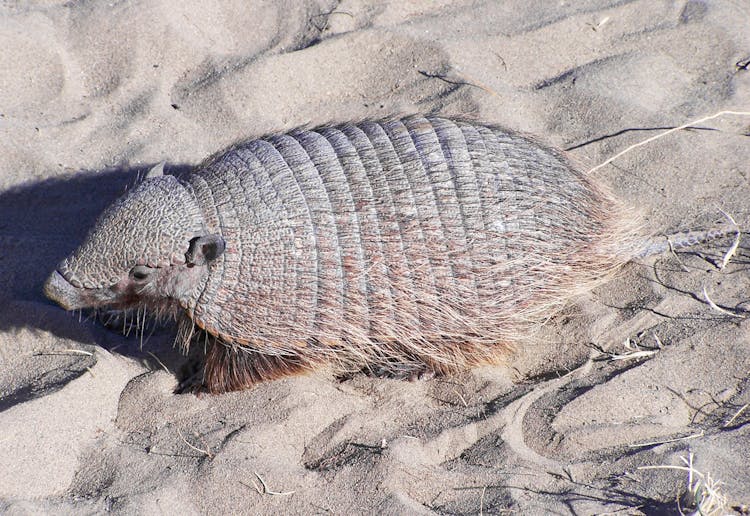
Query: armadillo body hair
{"x":398,"y":247}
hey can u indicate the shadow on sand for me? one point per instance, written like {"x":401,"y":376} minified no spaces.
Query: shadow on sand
{"x":40,"y":224}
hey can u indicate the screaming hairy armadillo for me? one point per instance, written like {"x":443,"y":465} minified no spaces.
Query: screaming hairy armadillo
{"x":401,"y":247}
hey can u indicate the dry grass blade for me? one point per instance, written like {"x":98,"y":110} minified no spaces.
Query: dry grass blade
{"x":703,"y":495}
{"x":731,"y":251}
{"x":736,"y":415}
{"x":633,"y":351}
{"x":159,"y":362}
{"x":665,"y":133}
{"x":656,"y":443}
{"x":205,"y":452}
{"x":717,"y":307}
{"x":268,"y":491}
{"x":676,"y":256}
{"x":735,"y":245}
{"x":65,"y":352}
{"x":633,"y":355}
{"x":254,"y":486}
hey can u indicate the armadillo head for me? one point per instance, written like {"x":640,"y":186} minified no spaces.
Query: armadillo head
{"x":149,"y":248}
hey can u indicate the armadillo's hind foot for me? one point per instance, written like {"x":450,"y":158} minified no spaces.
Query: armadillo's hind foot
{"x":232,"y":368}
{"x":410,"y":372}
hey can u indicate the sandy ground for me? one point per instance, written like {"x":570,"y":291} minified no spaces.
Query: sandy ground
{"x":93,"y":93}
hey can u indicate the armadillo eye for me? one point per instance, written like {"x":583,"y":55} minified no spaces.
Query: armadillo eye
{"x":140,"y":272}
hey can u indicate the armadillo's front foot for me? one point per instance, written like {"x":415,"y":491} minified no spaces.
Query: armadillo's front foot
{"x":191,"y":374}
{"x":193,"y":384}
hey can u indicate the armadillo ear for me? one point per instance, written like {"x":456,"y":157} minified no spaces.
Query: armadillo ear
{"x":156,"y":171}
{"x":205,"y":249}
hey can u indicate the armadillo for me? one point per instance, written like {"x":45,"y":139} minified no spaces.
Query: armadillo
{"x":403,"y":247}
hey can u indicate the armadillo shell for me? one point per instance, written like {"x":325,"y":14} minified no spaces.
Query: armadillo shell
{"x":419,"y":237}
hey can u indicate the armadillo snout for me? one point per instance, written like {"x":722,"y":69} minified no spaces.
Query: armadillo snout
{"x":59,"y":290}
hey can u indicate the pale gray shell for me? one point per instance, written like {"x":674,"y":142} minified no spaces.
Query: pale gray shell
{"x":421,"y":231}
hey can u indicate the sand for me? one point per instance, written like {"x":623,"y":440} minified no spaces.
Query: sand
{"x":640,"y":373}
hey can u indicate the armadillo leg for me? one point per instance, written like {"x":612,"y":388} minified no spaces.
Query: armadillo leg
{"x":232,"y":368}
{"x":402,"y":372}
{"x":453,"y":357}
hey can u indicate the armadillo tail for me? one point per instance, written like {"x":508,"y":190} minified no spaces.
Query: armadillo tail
{"x":659,"y":245}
